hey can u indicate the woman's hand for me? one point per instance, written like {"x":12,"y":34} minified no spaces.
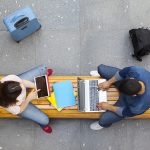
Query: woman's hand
{"x":32,"y":95}
{"x":104,"y":86}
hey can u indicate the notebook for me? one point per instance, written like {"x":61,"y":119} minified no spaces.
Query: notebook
{"x":64,"y":94}
{"x":52,"y":100}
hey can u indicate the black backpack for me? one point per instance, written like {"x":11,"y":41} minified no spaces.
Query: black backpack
{"x":141,"y":42}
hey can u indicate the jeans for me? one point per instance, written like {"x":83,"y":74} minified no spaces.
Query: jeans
{"x":108,"y":117}
{"x":32,"y":112}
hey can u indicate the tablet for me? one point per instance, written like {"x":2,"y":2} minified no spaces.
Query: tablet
{"x":41,"y":82}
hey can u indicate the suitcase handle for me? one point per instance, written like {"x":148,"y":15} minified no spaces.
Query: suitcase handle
{"x":23,"y":28}
{"x":21,"y":22}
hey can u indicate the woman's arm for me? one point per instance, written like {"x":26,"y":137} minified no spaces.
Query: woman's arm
{"x":28,"y":84}
{"x":32,"y":95}
{"x":24,"y":105}
{"x":11,"y":78}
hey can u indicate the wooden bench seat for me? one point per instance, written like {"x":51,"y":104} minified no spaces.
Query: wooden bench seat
{"x":70,"y":112}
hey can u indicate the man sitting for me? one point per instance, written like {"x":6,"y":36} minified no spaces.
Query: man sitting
{"x":133,"y":84}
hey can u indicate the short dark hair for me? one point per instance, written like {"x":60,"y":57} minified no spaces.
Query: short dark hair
{"x":129,"y":86}
{"x":9,"y":91}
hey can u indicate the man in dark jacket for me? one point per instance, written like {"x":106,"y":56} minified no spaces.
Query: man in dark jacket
{"x":134,"y":99}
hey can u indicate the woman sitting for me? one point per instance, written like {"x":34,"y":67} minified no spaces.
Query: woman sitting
{"x":14,"y":98}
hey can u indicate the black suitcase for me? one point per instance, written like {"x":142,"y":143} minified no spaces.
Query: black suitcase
{"x":141,"y":42}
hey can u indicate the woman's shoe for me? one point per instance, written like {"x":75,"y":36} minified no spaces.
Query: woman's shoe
{"x":47,"y":129}
{"x":49,"y":72}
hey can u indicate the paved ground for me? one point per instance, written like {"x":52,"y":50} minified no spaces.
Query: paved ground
{"x":76,"y":36}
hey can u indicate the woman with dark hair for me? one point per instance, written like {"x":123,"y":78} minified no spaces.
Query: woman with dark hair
{"x":14,"y":99}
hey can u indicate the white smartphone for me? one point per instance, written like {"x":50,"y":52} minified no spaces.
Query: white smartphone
{"x":41,"y":82}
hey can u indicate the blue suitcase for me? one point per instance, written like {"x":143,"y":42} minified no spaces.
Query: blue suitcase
{"x":21,"y":23}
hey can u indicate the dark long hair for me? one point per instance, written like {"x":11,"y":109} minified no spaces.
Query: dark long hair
{"x":9,"y":91}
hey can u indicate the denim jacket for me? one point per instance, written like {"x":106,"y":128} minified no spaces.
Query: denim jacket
{"x":134,"y":105}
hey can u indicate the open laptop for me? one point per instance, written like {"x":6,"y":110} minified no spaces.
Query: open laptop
{"x":89,"y":96}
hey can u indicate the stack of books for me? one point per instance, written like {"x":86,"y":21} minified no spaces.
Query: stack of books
{"x":63,"y":95}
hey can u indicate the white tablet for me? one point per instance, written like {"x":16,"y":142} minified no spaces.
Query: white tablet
{"x":41,"y":82}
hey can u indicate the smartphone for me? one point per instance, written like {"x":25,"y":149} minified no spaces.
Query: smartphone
{"x":41,"y":82}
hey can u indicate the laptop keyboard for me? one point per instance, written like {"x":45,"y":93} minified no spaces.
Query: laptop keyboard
{"x":94,"y":95}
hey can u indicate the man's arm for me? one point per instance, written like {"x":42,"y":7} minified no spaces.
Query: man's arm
{"x":106,"y":85}
{"x":112,"y":108}
{"x":119,"y":75}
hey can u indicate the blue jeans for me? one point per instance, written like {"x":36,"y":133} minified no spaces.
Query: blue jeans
{"x":108,"y":117}
{"x":32,"y":112}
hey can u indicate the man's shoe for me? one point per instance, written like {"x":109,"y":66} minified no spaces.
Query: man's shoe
{"x":95,"y":126}
{"x":94,"y":73}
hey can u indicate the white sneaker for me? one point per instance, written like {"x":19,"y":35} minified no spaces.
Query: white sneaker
{"x":94,"y":73}
{"x":95,"y":126}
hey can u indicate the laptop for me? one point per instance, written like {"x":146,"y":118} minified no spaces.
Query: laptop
{"x":89,"y":96}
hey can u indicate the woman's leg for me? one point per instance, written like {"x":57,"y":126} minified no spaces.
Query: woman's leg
{"x":34,"y":114}
{"x":107,"y":72}
{"x":30,"y":74}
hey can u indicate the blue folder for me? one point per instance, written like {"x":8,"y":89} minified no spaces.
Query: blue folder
{"x":64,"y":94}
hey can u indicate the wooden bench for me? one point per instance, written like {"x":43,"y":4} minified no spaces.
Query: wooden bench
{"x":70,"y":112}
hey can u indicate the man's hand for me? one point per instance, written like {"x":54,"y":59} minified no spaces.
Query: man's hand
{"x":103,"y":105}
{"x":104,"y":86}
{"x":107,"y":106}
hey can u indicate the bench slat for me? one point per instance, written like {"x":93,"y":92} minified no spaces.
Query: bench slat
{"x":55,"y":114}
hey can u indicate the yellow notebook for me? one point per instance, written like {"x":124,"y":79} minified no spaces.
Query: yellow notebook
{"x":52,"y":100}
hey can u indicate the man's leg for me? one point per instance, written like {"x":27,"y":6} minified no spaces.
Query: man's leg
{"x":106,"y":120}
{"x":108,"y":117}
{"x":107,"y":72}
